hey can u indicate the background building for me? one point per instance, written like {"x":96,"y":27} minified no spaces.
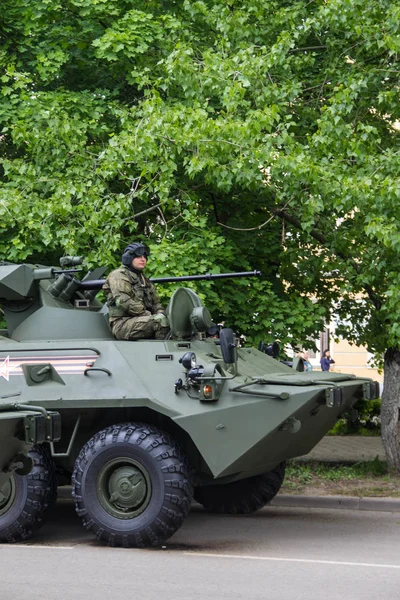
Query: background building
{"x":348,"y":358}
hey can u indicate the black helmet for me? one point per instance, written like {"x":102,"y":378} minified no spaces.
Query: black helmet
{"x":133,"y":250}
{"x":212,"y":331}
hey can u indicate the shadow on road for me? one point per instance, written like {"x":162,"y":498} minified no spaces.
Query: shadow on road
{"x":201,"y":531}
{"x":204,"y":532}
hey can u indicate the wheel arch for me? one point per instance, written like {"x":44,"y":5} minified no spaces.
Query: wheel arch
{"x":80,"y":425}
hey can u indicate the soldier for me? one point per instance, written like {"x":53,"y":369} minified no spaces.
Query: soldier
{"x":135,"y":311}
{"x":213,"y":331}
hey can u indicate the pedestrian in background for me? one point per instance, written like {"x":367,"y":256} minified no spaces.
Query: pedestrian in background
{"x":305,"y":357}
{"x":306,"y":360}
{"x":326,"y":361}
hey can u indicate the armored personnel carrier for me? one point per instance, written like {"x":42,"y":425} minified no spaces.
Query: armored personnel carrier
{"x":146,"y":425}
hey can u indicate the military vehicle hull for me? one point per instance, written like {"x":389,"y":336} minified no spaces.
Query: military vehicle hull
{"x":244,"y":432}
{"x":146,"y":424}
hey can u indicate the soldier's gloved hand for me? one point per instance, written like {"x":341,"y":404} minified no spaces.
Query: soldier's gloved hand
{"x":161,"y":319}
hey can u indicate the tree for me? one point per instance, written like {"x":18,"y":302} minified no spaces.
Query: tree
{"x":255,"y":134}
{"x":104,"y":139}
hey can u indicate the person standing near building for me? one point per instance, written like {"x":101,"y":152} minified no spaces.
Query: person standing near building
{"x":135,"y":311}
{"x":326,"y":361}
{"x":305,"y":357}
{"x":306,"y":360}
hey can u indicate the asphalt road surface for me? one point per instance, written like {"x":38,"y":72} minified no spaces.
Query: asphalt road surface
{"x":275,"y":554}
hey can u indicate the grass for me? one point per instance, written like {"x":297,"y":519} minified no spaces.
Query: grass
{"x":372,"y":478}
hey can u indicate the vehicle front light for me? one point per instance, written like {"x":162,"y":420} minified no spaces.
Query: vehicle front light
{"x":188,"y":360}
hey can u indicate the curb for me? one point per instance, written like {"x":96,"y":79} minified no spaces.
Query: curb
{"x":344,"y":502}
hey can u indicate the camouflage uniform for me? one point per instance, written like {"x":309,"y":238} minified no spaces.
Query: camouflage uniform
{"x":133,"y":303}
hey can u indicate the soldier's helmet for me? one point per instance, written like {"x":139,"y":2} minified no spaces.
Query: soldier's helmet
{"x":133,"y":250}
{"x":212,"y":331}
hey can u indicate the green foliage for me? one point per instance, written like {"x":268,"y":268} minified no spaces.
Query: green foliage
{"x":366,"y":423}
{"x":256,"y":134}
{"x":303,"y":472}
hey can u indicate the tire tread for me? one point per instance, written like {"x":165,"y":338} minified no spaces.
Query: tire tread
{"x":170,"y":460}
{"x":241,"y":497}
{"x":41,"y":492}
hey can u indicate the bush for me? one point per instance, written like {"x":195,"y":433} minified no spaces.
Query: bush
{"x":367,"y":421}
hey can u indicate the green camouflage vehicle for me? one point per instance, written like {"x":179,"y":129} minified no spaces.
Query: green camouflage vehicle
{"x":146,"y":425}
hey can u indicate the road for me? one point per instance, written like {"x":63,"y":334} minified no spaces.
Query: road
{"x":277,"y":553}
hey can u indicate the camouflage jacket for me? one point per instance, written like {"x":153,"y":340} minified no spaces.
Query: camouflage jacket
{"x":130,"y":295}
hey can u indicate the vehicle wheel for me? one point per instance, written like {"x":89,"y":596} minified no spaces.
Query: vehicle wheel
{"x":26,"y":499}
{"x":241,"y":497}
{"x":53,"y":488}
{"x":131,"y":485}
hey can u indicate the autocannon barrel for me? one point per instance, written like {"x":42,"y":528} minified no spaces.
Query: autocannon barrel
{"x":98,"y":283}
{"x":206,"y":276}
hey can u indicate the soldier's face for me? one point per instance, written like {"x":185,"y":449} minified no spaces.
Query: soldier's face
{"x":139,"y":262}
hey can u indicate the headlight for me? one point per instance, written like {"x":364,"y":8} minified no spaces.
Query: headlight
{"x":188,"y":360}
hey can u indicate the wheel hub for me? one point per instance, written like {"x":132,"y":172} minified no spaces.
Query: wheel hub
{"x":7,"y":494}
{"x":127,"y":487}
{"x":124,"y":488}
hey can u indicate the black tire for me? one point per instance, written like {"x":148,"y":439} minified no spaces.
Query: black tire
{"x":243,"y":496}
{"x":26,"y":499}
{"x":53,"y":488}
{"x":131,"y":485}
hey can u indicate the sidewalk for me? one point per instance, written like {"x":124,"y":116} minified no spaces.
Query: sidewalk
{"x":343,"y":449}
{"x":344,"y":502}
{"x":347,"y":449}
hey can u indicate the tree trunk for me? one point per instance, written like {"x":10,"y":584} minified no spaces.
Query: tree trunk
{"x":390,"y":407}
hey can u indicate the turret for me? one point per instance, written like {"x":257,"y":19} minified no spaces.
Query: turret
{"x":50,"y":303}
{"x":34,"y":299}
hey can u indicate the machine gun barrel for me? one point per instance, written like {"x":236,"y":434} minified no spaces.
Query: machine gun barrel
{"x":206,"y":276}
{"x":98,"y":283}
